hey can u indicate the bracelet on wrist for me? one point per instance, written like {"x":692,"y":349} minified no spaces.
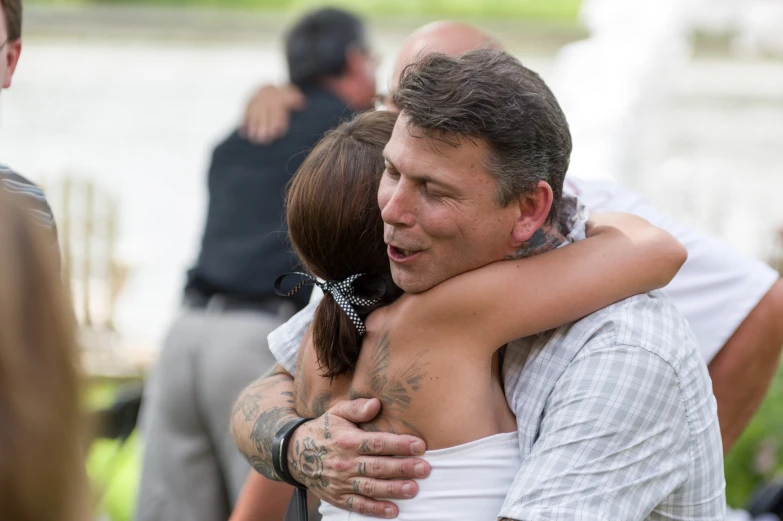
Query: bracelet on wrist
{"x":280,"y":445}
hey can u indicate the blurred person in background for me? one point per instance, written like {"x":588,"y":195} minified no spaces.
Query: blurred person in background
{"x":191,"y":468}
{"x":10,"y":50}
{"x":10,"y":39}
{"x":42,"y":475}
{"x":733,"y":303}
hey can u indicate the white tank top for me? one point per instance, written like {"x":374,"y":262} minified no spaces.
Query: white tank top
{"x":468,"y":482}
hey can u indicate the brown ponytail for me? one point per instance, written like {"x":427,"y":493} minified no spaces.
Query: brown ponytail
{"x":336,"y":229}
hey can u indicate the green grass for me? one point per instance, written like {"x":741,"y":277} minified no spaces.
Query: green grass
{"x":758,"y":455}
{"x":557,"y":10}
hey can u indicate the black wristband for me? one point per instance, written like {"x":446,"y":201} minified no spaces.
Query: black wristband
{"x":280,"y":450}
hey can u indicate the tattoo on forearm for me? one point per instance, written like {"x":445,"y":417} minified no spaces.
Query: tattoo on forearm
{"x":262,"y":435}
{"x":247,"y":404}
{"x":308,"y":464}
{"x":544,"y":239}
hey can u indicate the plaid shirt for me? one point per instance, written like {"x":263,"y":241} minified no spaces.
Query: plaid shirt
{"x":616,"y":419}
{"x":615,"y":412}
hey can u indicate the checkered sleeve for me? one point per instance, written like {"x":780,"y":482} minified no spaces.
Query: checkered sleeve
{"x":613,"y":443}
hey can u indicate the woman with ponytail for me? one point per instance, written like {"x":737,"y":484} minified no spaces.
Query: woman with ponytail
{"x":432,"y":358}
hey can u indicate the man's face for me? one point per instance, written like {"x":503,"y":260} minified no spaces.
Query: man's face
{"x":438,"y":205}
{"x":9,"y":54}
{"x":360,"y":67}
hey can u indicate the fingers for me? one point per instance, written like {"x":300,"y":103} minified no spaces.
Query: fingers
{"x":357,"y":411}
{"x":267,"y":116}
{"x":264,"y":123}
{"x":368,"y":507}
{"x":278,"y":121}
{"x":386,"y":489}
{"x":294,"y":98}
{"x":392,"y":468}
{"x":388,"y":444}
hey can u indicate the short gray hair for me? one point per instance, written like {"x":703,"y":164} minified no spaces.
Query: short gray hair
{"x":488,"y":94}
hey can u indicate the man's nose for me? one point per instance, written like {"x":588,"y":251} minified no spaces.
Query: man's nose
{"x":399,"y":210}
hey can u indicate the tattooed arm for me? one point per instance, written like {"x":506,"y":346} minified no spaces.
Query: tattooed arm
{"x":622,"y":256}
{"x":336,"y":460}
{"x":261,"y":409}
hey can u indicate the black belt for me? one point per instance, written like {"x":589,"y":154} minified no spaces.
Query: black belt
{"x":222,"y":302}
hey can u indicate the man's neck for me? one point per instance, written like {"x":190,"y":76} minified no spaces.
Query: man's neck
{"x":544,"y":239}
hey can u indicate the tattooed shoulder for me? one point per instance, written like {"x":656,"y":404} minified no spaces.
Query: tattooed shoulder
{"x":394,"y":387}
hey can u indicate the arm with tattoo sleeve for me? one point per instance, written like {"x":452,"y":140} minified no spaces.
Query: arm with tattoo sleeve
{"x":336,"y":460}
{"x":261,"y":409}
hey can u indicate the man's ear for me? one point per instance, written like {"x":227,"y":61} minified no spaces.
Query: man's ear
{"x":534,"y":208}
{"x":14,"y":49}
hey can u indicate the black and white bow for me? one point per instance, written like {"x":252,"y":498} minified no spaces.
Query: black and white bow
{"x":342,"y":292}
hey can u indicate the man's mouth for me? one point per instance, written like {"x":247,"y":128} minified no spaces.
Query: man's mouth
{"x":401,"y":255}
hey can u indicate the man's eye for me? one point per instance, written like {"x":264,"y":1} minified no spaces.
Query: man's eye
{"x":434,"y":194}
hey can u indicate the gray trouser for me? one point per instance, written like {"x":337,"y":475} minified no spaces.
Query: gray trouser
{"x":191,"y":468}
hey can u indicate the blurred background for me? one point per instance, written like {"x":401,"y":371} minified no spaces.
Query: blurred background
{"x":117,"y":104}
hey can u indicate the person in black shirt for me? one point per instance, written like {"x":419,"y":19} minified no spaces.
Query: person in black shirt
{"x":191,"y":468}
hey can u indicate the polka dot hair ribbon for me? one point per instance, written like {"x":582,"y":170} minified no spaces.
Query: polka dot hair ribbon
{"x":342,"y":292}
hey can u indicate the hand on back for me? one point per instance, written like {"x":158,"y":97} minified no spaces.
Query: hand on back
{"x":268,"y":113}
{"x":351,"y":468}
